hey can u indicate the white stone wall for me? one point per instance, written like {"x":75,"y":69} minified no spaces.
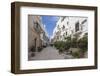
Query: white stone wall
{"x":69,"y":26}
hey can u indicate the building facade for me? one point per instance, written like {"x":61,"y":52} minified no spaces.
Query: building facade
{"x":69,"y":26}
{"x":36,"y":33}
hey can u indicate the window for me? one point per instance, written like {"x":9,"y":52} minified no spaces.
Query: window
{"x":77,"y":26}
{"x":63,"y":27}
{"x":57,"y":37}
{"x":66,"y":33}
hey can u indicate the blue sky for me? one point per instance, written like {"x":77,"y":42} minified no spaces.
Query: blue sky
{"x":50,"y":23}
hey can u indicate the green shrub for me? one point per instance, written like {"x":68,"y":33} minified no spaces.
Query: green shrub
{"x":63,"y":45}
{"x":74,"y":42}
{"x":83,"y":43}
{"x":68,"y":38}
{"x":57,"y":44}
{"x":61,"y":50}
{"x":76,"y":54}
{"x":60,"y":45}
{"x":67,"y":45}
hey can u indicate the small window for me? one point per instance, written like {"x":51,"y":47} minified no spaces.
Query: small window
{"x":63,"y":27}
{"x":66,"y":33}
{"x":77,"y":27}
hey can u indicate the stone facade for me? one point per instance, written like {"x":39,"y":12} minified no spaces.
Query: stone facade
{"x":36,"y":33}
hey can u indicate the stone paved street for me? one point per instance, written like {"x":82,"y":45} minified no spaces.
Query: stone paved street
{"x":48,"y":53}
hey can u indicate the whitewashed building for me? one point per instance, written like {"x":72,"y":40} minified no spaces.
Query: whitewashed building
{"x":69,"y":26}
